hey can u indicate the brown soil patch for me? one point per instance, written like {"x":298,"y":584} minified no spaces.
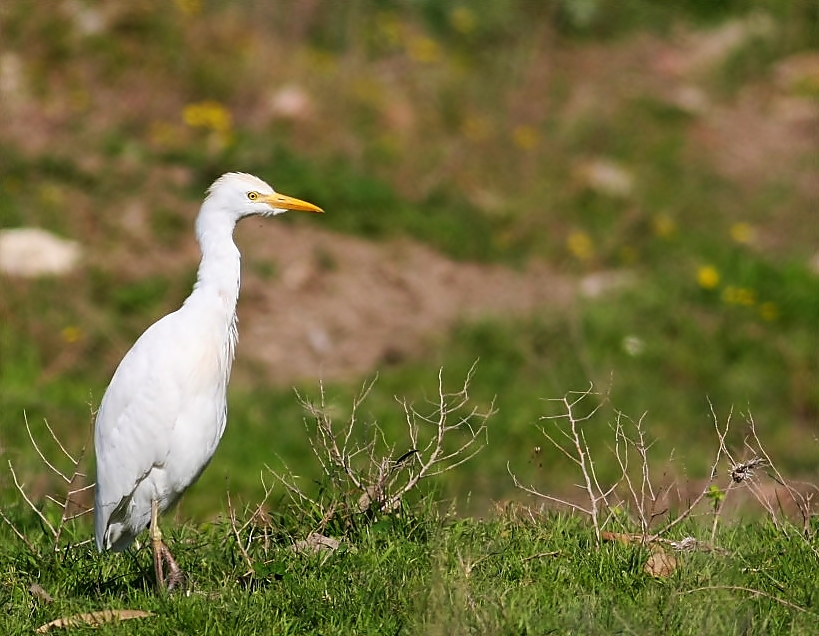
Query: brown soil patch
{"x":338,"y":306}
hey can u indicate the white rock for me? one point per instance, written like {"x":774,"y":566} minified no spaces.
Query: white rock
{"x":291,"y":102}
{"x":690,"y":99}
{"x":600,"y":283}
{"x":607,"y":177}
{"x":88,"y":20}
{"x":30,"y":252}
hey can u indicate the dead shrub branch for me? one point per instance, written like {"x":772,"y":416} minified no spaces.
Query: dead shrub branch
{"x":69,"y":503}
{"x":359,"y":461}
{"x":633,"y":500}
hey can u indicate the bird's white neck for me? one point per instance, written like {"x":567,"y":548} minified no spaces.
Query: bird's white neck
{"x":219,"y":271}
{"x":216,"y":291}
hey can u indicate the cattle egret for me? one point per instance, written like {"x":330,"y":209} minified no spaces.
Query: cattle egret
{"x":165,"y":410}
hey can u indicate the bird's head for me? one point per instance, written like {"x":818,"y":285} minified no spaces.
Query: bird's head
{"x":244,"y":195}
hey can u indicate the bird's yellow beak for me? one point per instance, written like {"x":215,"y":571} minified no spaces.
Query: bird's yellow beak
{"x":284,"y":202}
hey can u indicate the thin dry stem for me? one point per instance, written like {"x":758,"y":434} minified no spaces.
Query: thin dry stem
{"x":604,"y":502}
{"x":356,"y":456}
{"x":19,"y":534}
{"x":68,"y":504}
{"x":576,"y":449}
{"x":29,"y":502}
{"x":234,"y":527}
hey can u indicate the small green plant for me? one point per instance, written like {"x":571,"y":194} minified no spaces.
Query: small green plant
{"x":716,"y":496}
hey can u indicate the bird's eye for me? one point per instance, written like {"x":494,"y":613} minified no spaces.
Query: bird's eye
{"x":252,"y":195}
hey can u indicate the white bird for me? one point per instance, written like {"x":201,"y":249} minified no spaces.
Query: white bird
{"x":165,"y":410}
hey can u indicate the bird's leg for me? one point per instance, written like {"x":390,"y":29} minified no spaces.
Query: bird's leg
{"x":163,"y":554}
{"x":156,"y":544}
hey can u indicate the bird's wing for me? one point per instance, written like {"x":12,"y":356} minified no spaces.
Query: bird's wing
{"x":140,"y":408}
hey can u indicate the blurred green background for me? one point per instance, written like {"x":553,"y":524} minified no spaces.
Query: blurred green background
{"x":571,"y":191}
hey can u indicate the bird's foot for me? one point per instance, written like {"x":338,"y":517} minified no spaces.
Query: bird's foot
{"x":176,"y":576}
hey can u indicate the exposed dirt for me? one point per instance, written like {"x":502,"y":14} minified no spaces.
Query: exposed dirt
{"x":339,"y":306}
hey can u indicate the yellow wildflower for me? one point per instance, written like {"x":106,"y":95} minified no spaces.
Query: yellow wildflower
{"x":708,"y":277}
{"x":663,"y":225}
{"x":739,"y":296}
{"x":742,"y":233}
{"x":71,"y":334}
{"x":580,"y":245}
{"x":769,"y":311}
{"x":526,"y":137}
{"x":423,"y":49}
{"x":209,"y":115}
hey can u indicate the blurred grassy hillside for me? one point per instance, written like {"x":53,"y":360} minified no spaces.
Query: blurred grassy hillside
{"x":661,"y":156}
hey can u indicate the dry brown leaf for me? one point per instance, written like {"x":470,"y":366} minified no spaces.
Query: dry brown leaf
{"x":38,"y":591}
{"x":316,"y":542}
{"x":660,"y":565}
{"x":94,"y":618}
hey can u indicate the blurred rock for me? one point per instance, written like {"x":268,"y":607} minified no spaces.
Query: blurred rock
{"x":32,"y":252}
{"x":319,"y":340}
{"x":690,"y":99}
{"x":88,"y":20}
{"x":606,"y":176}
{"x":595,"y":285}
{"x":316,"y":542}
{"x":291,"y":102}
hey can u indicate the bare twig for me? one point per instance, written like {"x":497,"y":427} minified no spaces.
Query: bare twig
{"x":19,"y":534}
{"x":70,"y":508}
{"x":576,"y":449}
{"x":365,"y":468}
{"x":29,"y":502}
{"x":635,"y":483}
{"x":235,"y":529}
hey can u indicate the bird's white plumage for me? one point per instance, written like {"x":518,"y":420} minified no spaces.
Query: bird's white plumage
{"x":165,"y":410}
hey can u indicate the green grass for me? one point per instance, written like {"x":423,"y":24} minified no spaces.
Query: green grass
{"x":421,"y":573}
